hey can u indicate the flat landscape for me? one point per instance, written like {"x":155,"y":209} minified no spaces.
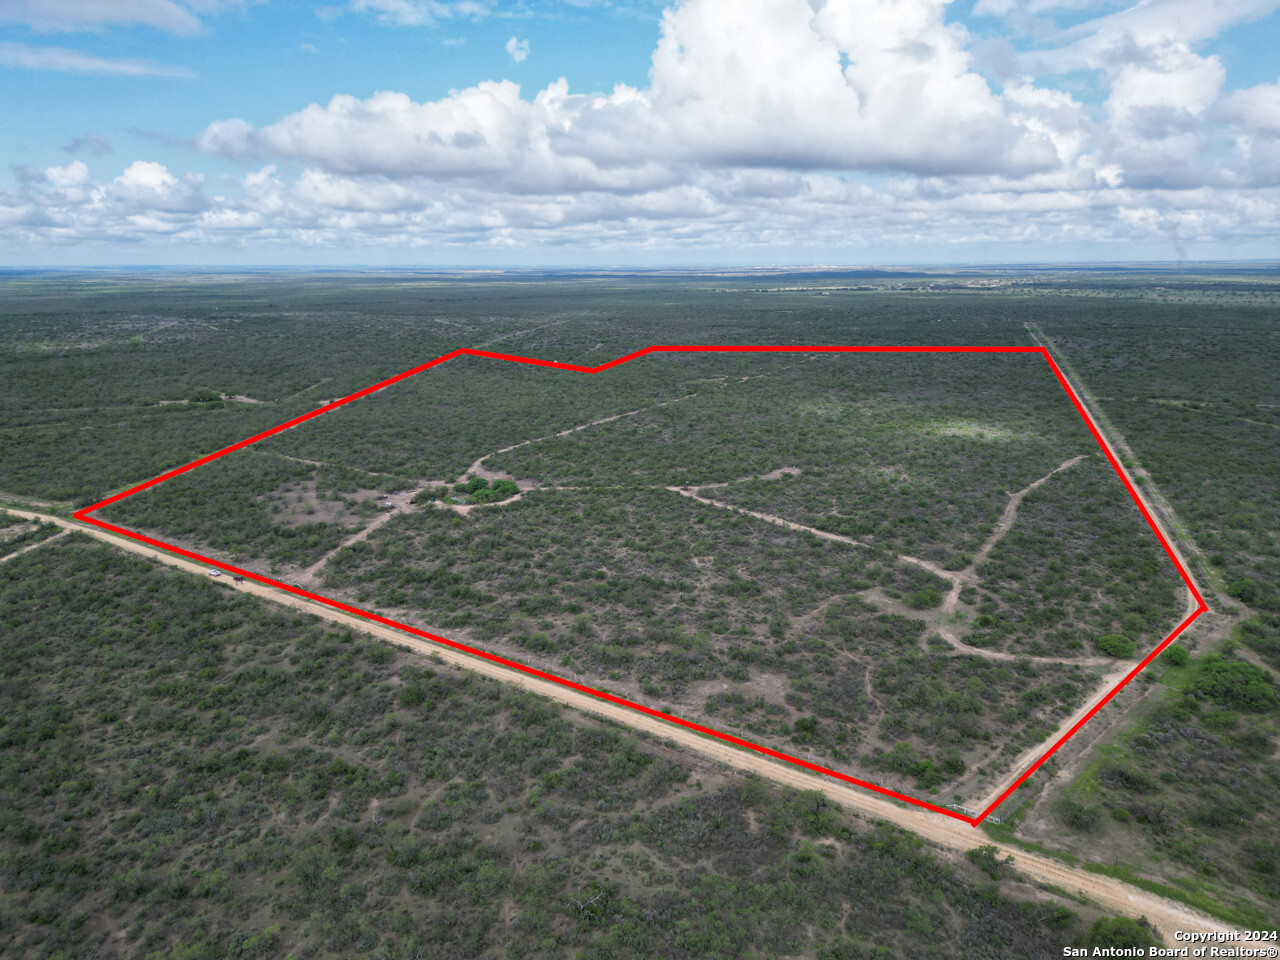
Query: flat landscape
{"x":916,"y":569}
{"x":639,"y":479}
{"x":908,"y":566}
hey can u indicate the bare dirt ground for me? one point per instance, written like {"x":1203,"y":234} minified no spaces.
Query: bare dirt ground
{"x":1109,"y":893}
{"x":28,"y":502}
{"x":285,"y":456}
{"x":961,"y":647}
{"x":229,"y":397}
{"x":478,"y":469}
{"x":777,"y":474}
{"x":465,"y":508}
{"x":13,"y":530}
{"x":401,"y":502}
{"x":318,"y":383}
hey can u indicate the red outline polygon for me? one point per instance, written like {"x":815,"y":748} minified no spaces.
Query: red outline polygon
{"x":83,"y":515}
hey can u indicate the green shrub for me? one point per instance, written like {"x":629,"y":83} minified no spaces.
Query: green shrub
{"x":412,"y":696}
{"x":1127,"y":778}
{"x":1116,"y":645}
{"x":1120,"y":932}
{"x":987,"y":857}
{"x":1078,"y":815}
{"x":1235,"y":684}
{"x":1244,"y":589}
{"x":924,"y":599}
{"x":805,"y":730}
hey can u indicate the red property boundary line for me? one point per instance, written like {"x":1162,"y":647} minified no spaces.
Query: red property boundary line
{"x":84,"y":516}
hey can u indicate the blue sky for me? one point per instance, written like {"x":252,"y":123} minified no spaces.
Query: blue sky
{"x":443,"y":132}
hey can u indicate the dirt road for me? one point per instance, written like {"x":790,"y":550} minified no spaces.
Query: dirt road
{"x":32,"y":546}
{"x":1006,"y":521}
{"x":402,"y":501}
{"x":1033,"y":753}
{"x":958,"y":578}
{"x":1153,"y":502}
{"x":478,"y":469}
{"x":1001,"y":529}
{"x":969,"y":575}
{"x":1112,"y":895}
{"x":692,"y":494}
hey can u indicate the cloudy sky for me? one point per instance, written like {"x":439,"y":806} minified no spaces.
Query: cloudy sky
{"x":528,"y":132}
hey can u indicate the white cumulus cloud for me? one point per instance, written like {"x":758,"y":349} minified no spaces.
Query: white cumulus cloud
{"x":817,"y":125}
{"x":517,"y":50}
{"x":857,"y":85}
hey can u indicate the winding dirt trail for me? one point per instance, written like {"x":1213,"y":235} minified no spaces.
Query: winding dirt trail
{"x":1111,"y":894}
{"x":958,"y":579}
{"x":961,"y":647}
{"x":478,"y":469}
{"x":970,"y":573}
{"x":777,"y":474}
